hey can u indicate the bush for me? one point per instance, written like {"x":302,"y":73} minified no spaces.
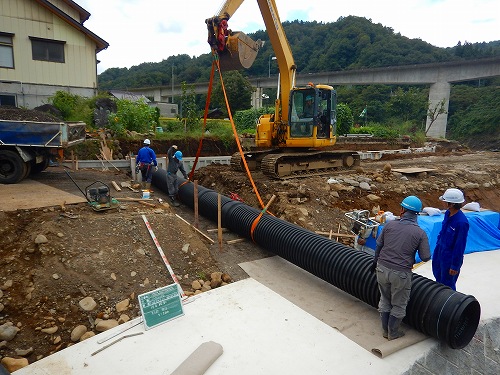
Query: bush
{"x":247,"y":119}
{"x":133,"y":116}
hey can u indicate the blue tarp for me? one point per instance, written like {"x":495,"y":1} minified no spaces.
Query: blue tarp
{"x":484,"y":231}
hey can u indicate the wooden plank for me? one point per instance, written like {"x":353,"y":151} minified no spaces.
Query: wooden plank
{"x":196,"y":229}
{"x":236,"y":241}
{"x":412,"y":170}
{"x":336,"y":234}
{"x":146,"y":203}
{"x":127,"y":199}
{"x":115,"y":185}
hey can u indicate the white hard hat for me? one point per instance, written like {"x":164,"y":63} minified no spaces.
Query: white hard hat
{"x":452,"y":196}
{"x":147,"y":142}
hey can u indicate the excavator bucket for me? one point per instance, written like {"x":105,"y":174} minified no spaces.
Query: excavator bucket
{"x":240,"y":52}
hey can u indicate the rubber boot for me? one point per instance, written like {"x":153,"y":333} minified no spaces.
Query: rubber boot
{"x":393,"y":328}
{"x":384,"y":317}
{"x":174,"y":202}
{"x":148,"y":187}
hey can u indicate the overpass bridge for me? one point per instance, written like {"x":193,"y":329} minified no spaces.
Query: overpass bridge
{"x":439,"y":76}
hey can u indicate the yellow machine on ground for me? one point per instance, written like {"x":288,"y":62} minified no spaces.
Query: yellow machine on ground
{"x":297,"y":139}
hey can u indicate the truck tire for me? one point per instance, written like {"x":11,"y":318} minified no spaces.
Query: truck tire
{"x":37,"y":168}
{"x":12,"y":167}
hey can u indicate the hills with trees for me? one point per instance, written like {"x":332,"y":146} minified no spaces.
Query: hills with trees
{"x":349,"y":43}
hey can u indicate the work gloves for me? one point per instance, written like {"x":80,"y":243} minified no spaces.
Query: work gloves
{"x":137,"y":168}
{"x":156,"y":168}
{"x":373,"y":268}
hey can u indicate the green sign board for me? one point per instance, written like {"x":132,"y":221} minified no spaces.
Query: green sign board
{"x":160,"y":305}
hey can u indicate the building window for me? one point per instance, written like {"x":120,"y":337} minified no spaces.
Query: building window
{"x":6,"y":51}
{"x":47,"y":50}
{"x":8,"y":100}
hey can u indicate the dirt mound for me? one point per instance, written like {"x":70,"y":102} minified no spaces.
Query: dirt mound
{"x":53,"y":258}
{"x":19,"y":114}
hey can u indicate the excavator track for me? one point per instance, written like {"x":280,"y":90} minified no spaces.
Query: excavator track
{"x":292,"y":165}
{"x":253,"y":159}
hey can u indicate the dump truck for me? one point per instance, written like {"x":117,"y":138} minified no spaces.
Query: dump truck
{"x":26,"y":147}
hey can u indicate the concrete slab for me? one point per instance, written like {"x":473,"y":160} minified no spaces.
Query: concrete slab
{"x":260,"y":332}
{"x":26,"y":195}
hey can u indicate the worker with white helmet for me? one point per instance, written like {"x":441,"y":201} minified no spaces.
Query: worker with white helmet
{"x":448,"y":255}
{"x":146,"y":162}
{"x":394,"y":258}
{"x":175,"y":164}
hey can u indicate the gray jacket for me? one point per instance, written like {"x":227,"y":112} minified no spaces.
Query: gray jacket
{"x":399,"y":242}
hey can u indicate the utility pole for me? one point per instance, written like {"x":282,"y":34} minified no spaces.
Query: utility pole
{"x":271,"y":57}
{"x":172,"y":84}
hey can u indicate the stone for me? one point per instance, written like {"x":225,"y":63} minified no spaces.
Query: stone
{"x":24,"y":352}
{"x":40,"y":239}
{"x":14,"y":364}
{"x":77,"y":332}
{"x":88,"y":304}
{"x":87,"y":335}
{"x":104,"y":325}
{"x":50,"y":330}
{"x":122,"y":305}
{"x":8,"y":331}
{"x":373,"y":198}
{"x":196,"y":285}
{"x":364,"y":185}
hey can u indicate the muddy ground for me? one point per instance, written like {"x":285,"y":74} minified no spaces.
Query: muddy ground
{"x":54,"y":257}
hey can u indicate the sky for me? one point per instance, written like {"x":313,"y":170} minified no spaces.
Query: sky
{"x":140,"y":31}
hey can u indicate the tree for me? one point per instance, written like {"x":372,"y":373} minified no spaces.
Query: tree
{"x":238,"y":89}
{"x":434,"y":112}
{"x":345,"y":119}
{"x":189,"y":110}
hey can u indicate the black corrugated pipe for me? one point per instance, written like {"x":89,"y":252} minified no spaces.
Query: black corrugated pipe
{"x":434,"y":309}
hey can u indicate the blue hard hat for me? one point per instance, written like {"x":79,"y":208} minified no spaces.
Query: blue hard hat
{"x":412,"y":203}
{"x":178,"y":155}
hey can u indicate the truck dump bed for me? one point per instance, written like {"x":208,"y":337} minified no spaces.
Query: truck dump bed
{"x":41,"y":134}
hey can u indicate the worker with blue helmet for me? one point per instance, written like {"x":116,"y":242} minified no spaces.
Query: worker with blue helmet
{"x":175,"y":164}
{"x":394,"y":258}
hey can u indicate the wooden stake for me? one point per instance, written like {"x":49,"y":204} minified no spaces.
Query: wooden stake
{"x":196,"y":229}
{"x":219,"y":221}
{"x":330,"y":236}
{"x":338,"y":231}
{"x":195,"y":201}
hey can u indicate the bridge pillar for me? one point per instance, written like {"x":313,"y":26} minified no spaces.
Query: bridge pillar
{"x":257,"y":97}
{"x":438,"y":91}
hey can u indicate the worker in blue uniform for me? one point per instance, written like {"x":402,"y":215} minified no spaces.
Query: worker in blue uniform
{"x":448,"y":255}
{"x":174,"y":165}
{"x":394,"y":258}
{"x":146,"y":162}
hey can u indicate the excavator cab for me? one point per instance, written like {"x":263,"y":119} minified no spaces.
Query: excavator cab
{"x":312,"y":114}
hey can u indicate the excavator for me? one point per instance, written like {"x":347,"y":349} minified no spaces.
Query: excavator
{"x":298,"y":139}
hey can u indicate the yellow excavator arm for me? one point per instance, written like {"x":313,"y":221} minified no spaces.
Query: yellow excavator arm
{"x":236,"y":50}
